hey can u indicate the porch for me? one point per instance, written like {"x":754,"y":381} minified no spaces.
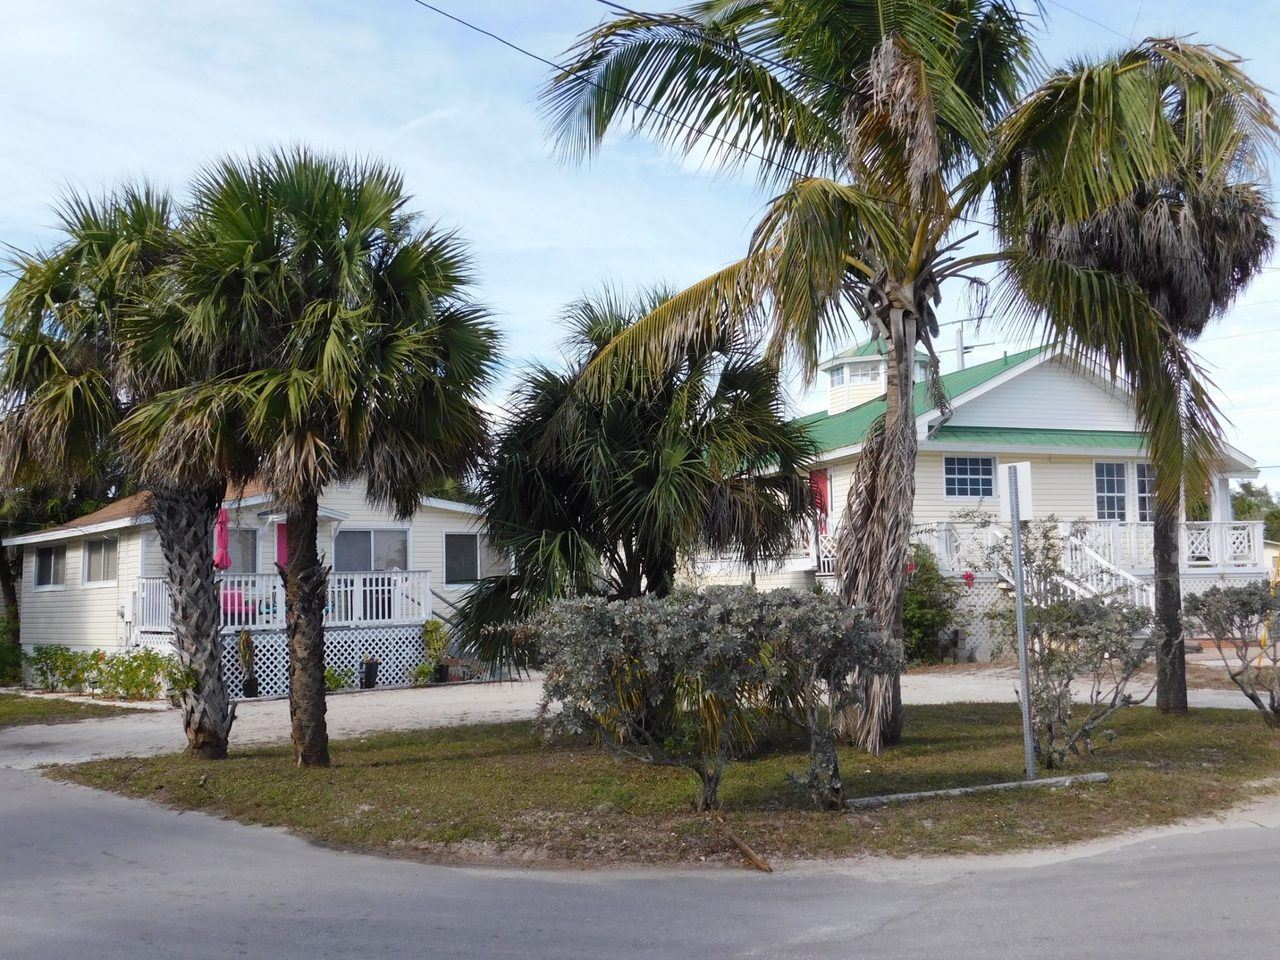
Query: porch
{"x":255,"y":601}
{"x":1204,"y":547}
{"x":369,"y":614}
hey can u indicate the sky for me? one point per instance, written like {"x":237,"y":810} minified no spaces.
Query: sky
{"x":92,"y":94}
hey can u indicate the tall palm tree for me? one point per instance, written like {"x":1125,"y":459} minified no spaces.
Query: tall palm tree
{"x":609,"y":498}
{"x":345,"y":342}
{"x":68,"y":378}
{"x":887,"y":125}
{"x":1191,"y":241}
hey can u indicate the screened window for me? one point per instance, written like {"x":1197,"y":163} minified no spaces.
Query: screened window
{"x":864,"y":373}
{"x":969,"y":476}
{"x":461,"y":557}
{"x":837,"y":376}
{"x":51,"y":567}
{"x":1146,"y":490}
{"x":1111,"y":490}
{"x":100,"y":560}
{"x":360,"y":550}
{"x":243,"y":547}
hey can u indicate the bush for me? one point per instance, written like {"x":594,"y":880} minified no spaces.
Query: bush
{"x":133,"y":674}
{"x":45,"y":663}
{"x":1242,"y":622}
{"x":10,"y":651}
{"x":686,"y":680}
{"x":339,"y":678}
{"x":929,"y":609}
{"x":435,"y":647}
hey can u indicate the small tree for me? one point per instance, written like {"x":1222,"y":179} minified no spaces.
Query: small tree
{"x":1241,"y":621}
{"x":1073,"y":639}
{"x":666,"y":681}
{"x":928,"y":608}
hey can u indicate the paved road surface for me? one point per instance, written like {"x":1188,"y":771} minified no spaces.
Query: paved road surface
{"x":85,"y":874}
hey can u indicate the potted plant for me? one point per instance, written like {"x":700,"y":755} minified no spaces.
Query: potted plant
{"x":245,"y":650}
{"x":435,"y":647}
{"x":369,"y":672}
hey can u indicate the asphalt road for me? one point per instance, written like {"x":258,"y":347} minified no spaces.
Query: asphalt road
{"x":86,"y":874}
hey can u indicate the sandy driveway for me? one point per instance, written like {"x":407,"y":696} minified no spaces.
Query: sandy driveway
{"x":351,"y":714}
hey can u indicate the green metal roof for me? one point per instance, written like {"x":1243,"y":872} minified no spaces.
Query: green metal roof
{"x":850,"y":426}
{"x":1031,"y":437}
{"x":872,"y":348}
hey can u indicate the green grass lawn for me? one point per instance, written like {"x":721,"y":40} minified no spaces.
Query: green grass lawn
{"x":16,"y":709}
{"x":498,"y":794}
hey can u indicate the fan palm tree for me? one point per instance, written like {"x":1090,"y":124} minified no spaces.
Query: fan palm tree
{"x":1191,"y":241}
{"x":887,"y":125}
{"x":68,"y":380}
{"x":345,"y":342}
{"x":609,"y":498}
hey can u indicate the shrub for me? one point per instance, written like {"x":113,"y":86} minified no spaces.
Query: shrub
{"x":45,"y":662}
{"x":423,"y":674}
{"x":1102,"y":641}
{"x":929,"y":608}
{"x":1242,"y":622}
{"x":686,"y":680}
{"x":133,"y":674}
{"x":178,"y":680}
{"x":435,"y":647}
{"x":10,"y":651}
{"x":339,"y":678}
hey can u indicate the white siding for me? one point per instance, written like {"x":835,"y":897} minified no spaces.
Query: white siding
{"x":1050,"y":396}
{"x":82,"y":616}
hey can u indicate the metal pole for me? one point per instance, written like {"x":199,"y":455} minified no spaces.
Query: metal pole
{"x":1020,"y":615}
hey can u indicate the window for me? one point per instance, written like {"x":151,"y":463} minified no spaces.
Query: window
{"x":1110,"y":489}
{"x":51,"y":567}
{"x":837,"y":376}
{"x":864,"y":373}
{"x":100,"y":560}
{"x":461,"y":557}
{"x":1146,"y":490}
{"x":243,"y":547}
{"x":969,"y":476}
{"x":362,"y":550}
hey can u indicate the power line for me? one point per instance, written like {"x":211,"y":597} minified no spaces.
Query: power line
{"x":1096,"y":23}
{"x":698,"y":131}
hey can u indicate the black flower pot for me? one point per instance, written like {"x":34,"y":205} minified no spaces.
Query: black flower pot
{"x":250,"y":688}
{"x":442,"y":673}
{"x":368,"y":676}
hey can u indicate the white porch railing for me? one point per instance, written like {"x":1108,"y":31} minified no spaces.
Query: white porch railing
{"x":256,"y":600}
{"x":1204,"y":545}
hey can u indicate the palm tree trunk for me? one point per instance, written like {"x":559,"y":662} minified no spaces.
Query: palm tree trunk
{"x":306,"y":581}
{"x":11,"y":632}
{"x":875,"y":537}
{"x":1171,"y":660}
{"x":184,"y":522}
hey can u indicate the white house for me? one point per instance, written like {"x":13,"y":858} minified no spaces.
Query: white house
{"x":98,"y":583}
{"x":1088,"y":467}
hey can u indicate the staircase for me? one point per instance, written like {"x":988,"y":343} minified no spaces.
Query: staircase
{"x":1087,"y":572}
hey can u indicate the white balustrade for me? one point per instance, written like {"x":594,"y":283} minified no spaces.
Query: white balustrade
{"x":256,"y":600}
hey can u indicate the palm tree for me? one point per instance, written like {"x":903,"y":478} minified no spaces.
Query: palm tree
{"x":345,"y":342}
{"x":888,"y":125}
{"x":1192,"y":242}
{"x":609,"y":498}
{"x":68,"y":379}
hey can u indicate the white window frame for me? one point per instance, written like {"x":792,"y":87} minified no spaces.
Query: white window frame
{"x":1139,"y":496}
{"x":35,"y":571}
{"x":257,"y":547}
{"x":371,"y":529}
{"x":84,"y":563}
{"x":444,"y":559}
{"x":1124,"y":498}
{"x":970,"y":498}
{"x":866,"y":373}
{"x":837,"y":376}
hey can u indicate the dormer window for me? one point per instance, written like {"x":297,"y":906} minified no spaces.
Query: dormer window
{"x":864,"y":373}
{"x":837,"y":376}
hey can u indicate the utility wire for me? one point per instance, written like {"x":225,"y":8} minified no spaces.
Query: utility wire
{"x":698,"y":131}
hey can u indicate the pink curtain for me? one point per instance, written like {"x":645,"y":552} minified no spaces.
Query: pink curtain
{"x":222,"y":541}
{"x":821,"y":499}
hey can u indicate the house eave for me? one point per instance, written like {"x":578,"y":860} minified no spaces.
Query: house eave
{"x":71,"y":533}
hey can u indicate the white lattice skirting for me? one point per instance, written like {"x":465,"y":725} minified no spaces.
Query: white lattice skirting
{"x":399,"y":648}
